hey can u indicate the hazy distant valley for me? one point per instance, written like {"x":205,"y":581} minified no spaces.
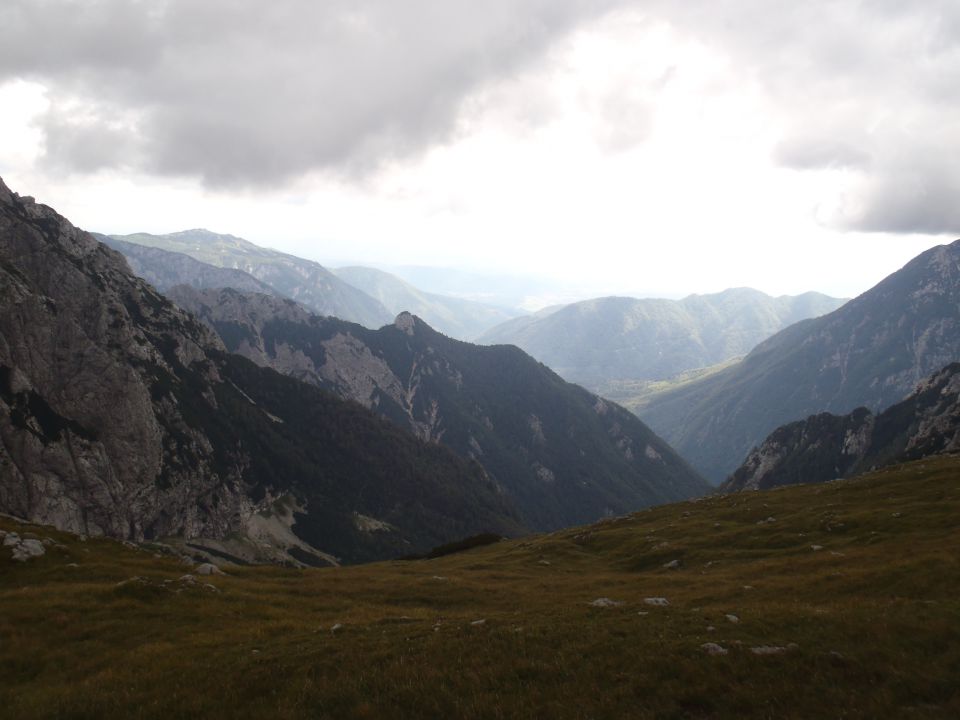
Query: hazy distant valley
{"x":215,"y":404}
{"x":713,"y":374}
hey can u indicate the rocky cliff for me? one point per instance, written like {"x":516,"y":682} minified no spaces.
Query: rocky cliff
{"x":561,"y":454}
{"x":120,"y":414}
{"x":825,"y":446}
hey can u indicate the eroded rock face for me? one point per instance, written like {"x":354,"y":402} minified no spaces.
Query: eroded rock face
{"x":825,"y":446}
{"x":123,"y":415}
{"x":86,"y":430}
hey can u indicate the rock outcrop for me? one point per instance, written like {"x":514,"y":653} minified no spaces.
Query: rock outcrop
{"x":825,"y":446}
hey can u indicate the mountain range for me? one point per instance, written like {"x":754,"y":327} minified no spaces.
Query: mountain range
{"x":607,"y":343}
{"x":164,"y":261}
{"x":870,"y":352}
{"x":164,"y":269}
{"x":562,"y":455}
{"x":457,"y":317}
{"x":306,"y":281}
{"x":824,"y":446}
{"x":120,"y":414}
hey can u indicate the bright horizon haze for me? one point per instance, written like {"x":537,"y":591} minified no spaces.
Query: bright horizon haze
{"x":601,"y":146}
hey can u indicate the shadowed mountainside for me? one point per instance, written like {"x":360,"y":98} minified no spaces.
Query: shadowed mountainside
{"x":825,"y":446}
{"x":120,"y":414}
{"x":562,"y":454}
{"x":871,"y":352}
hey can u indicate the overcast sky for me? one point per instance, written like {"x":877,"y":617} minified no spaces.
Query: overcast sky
{"x":653,"y":147}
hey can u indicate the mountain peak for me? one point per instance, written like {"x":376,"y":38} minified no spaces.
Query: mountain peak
{"x":406,"y":322}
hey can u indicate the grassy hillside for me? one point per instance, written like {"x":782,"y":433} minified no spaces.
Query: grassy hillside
{"x":868,"y":624}
{"x":635,"y":394}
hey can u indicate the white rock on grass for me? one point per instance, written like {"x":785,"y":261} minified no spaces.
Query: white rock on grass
{"x":656,"y":601}
{"x":773,"y":649}
{"x":209,"y":569}
{"x":733,"y":618}
{"x":605,"y":602}
{"x":27,"y":549}
{"x":11,"y":538}
{"x":713,"y":649}
{"x":672,"y":565}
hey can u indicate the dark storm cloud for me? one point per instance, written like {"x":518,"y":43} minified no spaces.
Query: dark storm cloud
{"x":917,"y":195}
{"x":244,"y":93}
{"x":251,"y":93}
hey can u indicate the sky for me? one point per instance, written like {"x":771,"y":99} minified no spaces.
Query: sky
{"x":604,"y":147}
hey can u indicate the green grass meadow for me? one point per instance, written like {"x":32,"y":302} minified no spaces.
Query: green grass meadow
{"x":868,"y":624}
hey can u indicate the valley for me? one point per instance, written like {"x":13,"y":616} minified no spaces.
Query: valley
{"x":550,"y":360}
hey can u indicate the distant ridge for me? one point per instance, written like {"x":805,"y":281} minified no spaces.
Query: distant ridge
{"x":871,"y":352}
{"x":306,"y":281}
{"x":606,"y":342}
{"x":456,"y":317}
{"x":163,"y":269}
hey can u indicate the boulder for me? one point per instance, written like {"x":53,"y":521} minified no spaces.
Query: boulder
{"x":209,"y":569}
{"x":26,"y":549}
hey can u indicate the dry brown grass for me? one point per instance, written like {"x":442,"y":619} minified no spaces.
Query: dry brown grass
{"x":875,"y":616}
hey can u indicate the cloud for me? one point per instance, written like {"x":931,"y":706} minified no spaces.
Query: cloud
{"x":816,"y":153}
{"x":247,"y":93}
{"x":871,"y":88}
{"x":915,"y":194}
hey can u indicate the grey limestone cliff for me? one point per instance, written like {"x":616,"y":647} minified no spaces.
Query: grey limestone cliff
{"x":84,"y":437}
